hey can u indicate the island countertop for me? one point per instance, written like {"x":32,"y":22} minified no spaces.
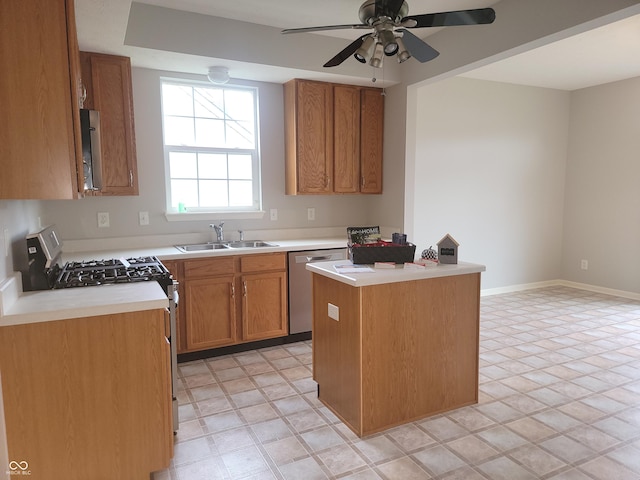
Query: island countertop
{"x":391,"y":275}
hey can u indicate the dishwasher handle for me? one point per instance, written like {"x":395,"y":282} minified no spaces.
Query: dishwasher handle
{"x":318,"y":258}
{"x":311,"y":257}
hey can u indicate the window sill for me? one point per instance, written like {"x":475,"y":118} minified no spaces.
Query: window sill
{"x":195,"y":216}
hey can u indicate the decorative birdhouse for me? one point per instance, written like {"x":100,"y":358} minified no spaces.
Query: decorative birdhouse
{"x":448,"y":250}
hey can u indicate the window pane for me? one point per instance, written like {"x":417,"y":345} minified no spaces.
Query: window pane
{"x":240,"y":193}
{"x":178,"y":131}
{"x":239,"y":105}
{"x":240,"y":135}
{"x":209,"y":133}
{"x":213,"y":193}
{"x":210,"y":144}
{"x":184,"y":191}
{"x":212,"y":165}
{"x":209,"y":102}
{"x":177,"y":100}
{"x":240,"y":167}
{"x":183,"y":165}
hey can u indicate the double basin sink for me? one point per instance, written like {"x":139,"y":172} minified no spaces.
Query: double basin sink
{"x":201,"y":247}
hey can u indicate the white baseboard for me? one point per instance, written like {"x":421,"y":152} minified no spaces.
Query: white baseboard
{"x":563,"y":283}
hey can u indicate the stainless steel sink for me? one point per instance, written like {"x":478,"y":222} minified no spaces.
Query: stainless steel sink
{"x":200,"y":247}
{"x":250,"y":244}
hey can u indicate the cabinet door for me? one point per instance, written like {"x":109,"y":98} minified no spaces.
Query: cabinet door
{"x":314,"y":133}
{"x":372,"y":130}
{"x":210,"y":312}
{"x":40,"y":143}
{"x":107,"y":79}
{"x":264,"y":305}
{"x":346,"y":139}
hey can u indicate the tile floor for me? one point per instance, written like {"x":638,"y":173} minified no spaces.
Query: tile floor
{"x":559,"y":399}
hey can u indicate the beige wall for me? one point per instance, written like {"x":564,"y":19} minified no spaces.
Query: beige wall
{"x":602,"y":202}
{"x":77,"y":219}
{"x":488,"y":167}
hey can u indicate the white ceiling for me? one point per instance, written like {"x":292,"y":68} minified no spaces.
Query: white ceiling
{"x":602,"y":55}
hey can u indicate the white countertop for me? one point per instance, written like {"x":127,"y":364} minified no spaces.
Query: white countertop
{"x":18,"y":307}
{"x":172,"y":253}
{"x":394,"y":275}
{"x":50,"y":305}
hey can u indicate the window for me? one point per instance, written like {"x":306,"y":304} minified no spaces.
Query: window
{"x":211,"y":147}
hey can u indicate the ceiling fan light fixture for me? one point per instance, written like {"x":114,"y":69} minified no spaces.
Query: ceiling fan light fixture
{"x":218,"y":75}
{"x":376,"y":59}
{"x":364,"y":52}
{"x":403,"y":53}
{"x":388,"y":39}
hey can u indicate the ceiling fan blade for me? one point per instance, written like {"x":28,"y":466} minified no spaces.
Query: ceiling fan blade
{"x":418,"y":49}
{"x":388,"y":8}
{"x":448,"y":19}
{"x":346,"y":53}
{"x":327,"y":27}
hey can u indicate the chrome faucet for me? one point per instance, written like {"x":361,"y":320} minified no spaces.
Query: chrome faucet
{"x":219,"y":231}
{"x":241,"y":232}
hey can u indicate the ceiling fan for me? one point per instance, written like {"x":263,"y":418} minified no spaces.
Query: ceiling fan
{"x":389,"y":21}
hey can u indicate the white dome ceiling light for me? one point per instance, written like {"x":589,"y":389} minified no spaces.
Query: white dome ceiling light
{"x":218,"y":75}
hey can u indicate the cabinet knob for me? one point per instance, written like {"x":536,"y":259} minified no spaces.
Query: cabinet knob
{"x":233,"y":290}
{"x":131,"y":178}
{"x":244,"y":288}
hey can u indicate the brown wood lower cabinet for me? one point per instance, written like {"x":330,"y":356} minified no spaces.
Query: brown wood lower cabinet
{"x":89,"y":397}
{"x":230,"y":300}
{"x":397,"y":352}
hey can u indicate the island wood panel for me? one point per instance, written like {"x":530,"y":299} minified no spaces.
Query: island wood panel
{"x":419,"y":349}
{"x":337,"y":349}
{"x":399,"y":352}
{"x":88,"y":397}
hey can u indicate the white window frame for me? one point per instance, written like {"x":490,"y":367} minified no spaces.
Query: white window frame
{"x":194,"y":213}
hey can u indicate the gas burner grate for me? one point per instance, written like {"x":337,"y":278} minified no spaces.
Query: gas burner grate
{"x":111,"y":271}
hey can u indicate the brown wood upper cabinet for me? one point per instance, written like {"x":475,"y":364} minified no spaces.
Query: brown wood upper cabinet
{"x":40,"y":142}
{"x":107,"y":79}
{"x":333,"y":138}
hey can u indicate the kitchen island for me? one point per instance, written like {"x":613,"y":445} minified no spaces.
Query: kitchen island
{"x":393,"y":346}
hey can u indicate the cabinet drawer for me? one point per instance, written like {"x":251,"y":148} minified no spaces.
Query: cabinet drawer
{"x":256,"y":263}
{"x":208,"y":267}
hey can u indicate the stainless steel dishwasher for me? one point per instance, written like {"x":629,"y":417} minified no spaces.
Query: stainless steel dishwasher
{"x":300,"y":306}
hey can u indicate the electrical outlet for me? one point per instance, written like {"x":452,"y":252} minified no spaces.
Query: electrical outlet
{"x":103,"y":219}
{"x":273,"y":214}
{"x":584,"y":264}
{"x":311,"y":213}
{"x":143,"y":218}
{"x":333,"y":311}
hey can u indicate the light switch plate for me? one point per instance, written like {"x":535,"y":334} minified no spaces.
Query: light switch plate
{"x":333,"y":311}
{"x":311,"y":213}
{"x":273,"y":214}
{"x":143,"y":218}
